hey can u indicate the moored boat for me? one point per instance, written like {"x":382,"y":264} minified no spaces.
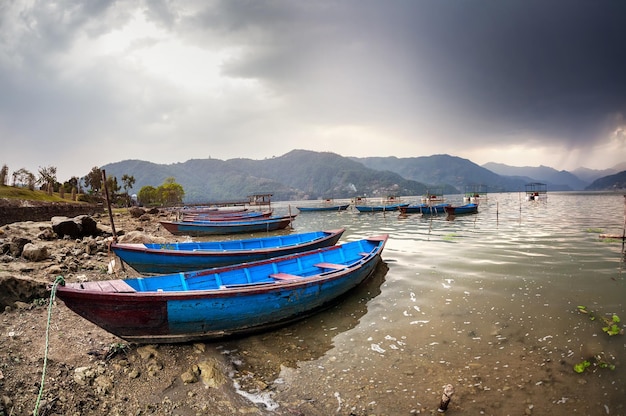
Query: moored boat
{"x":536,"y":191}
{"x":461,"y":209}
{"x":201,"y":228}
{"x":380,"y":208}
{"x":435,"y":209}
{"x":231,"y":300}
{"x":176,"y":257}
{"x":340,"y":207}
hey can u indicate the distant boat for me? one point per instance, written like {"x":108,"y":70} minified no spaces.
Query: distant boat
{"x":425,"y":209}
{"x":380,"y":208}
{"x":475,"y":194}
{"x":413,"y":209}
{"x":176,"y":257}
{"x":434,"y":197}
{"x":461,"y":209}
{"x":202,"y":228}
{"x":225,"y":301}
{"x":435,"y":209}
{"x":536,"y":191}
{"x":327,"y":206}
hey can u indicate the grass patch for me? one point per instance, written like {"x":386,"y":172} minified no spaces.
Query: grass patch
{"x":594,"y":230}
{"x":12,"y":192}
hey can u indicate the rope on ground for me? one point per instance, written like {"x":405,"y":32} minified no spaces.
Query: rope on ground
{"x":61,"y":281}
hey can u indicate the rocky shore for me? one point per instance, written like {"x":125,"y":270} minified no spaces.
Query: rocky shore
{"x":86,"y":370}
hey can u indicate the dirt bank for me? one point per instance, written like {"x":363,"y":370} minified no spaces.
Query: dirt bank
{"x":89,"y":371}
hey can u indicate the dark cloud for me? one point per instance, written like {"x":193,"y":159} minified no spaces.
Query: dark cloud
{"x":431,"y":76}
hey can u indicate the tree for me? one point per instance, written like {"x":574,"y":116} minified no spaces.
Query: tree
{"x":23,"y":178}
{"x":93,"y":179}
{"x":171,"y":193}
{"x":47,"y":178}
{"x":147,"y":195}
{"x":4,"y":175}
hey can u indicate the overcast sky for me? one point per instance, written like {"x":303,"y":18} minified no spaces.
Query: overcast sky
{"x":520,"y":82}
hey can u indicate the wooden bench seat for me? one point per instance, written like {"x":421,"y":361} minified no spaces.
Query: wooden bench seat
{"x":332,"y":266}
{"x":284,"y":276}
{"x":118,"y":286}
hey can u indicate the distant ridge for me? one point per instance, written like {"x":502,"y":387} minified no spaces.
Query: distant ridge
{"x":303,"y":174}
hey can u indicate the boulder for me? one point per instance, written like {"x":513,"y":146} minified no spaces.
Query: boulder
{"x":77,"y":227}
{"x":34,"y":252}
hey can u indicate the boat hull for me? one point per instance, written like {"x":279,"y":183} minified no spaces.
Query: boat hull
{"x":379,"y":208}
{"x":325,"y":208}
{"x":177,"y":257}
{"x":275,"y":297}
{"x":199,"y":228}
{"x":462,"y":209}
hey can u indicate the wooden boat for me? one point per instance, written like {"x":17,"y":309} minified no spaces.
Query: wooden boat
{"x":248,"y":215}
{"x":413,"y":209}
{"x":341,"y":207}
{"x":203,"y":228}
{"x":461,"y":209}
{"x":435,"y":209}
{"x":380,"y":208}
{"x":231,"y":300}
{"x":177,"y":257}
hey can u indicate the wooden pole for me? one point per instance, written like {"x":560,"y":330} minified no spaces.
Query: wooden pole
{"x":106,"y":195}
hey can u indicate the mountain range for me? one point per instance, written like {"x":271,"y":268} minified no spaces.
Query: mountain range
{"x":303,"y":174}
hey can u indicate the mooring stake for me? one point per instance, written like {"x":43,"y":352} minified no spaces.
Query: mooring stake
{"x":448,"y":391}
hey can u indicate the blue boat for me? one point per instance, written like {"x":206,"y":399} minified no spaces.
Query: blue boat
{"x":203,"y":228}
{"x":462,"y":209}
{"x":424,"y":209}
{"x":413,"y":209}
{"x":219,"y":302}
{"x":177,"y":257}
{"x":435,"y":209}
{"x":380,"y":208}
{"x":341,"y":207}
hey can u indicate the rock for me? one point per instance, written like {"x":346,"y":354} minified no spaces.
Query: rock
{"x":103,"y":384}
{"x":17,"y":245}
{"x":136,"y":212}
{"x":188,"y":377}
{"x":47,"y":235}
{"x":147,"y":351}
{"x":33,"y":252}
{"x":211,"y":374}
{"x":80,"y":226}
{"x":20,"y":288}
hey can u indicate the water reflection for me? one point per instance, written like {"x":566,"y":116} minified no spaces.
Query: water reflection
{"x":487,"y":302}
{"x":312,"y":337}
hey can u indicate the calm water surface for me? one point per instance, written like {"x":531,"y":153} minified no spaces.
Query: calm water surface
{"x":485,"y":302}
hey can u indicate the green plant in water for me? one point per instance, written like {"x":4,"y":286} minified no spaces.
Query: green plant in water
{"x":599,"y":361}
{"x":611,"y":326}
{"x":582,"y":366}
{"x":594,"y":230}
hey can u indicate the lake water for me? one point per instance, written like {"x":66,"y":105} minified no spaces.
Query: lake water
{"x":485,"y":302}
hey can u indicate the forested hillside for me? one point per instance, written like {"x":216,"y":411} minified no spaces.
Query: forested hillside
{"x":296,"y":175}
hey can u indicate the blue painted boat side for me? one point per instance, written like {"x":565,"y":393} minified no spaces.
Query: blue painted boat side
{"x":200,"y":228}
{"x":380,"y":208}
{"x":325,"y":208}
{"x":236,"y":299}
{"x":175,"y":257}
